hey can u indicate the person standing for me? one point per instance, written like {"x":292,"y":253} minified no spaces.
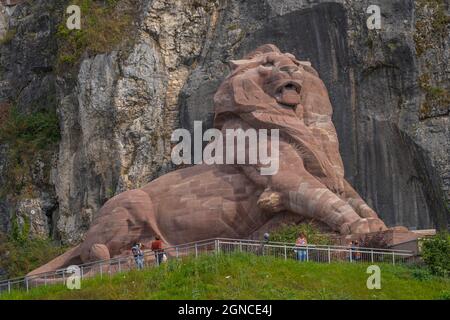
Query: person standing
{"x":356,"y":254}
{"x":138,"y":255}
{"x":350,"y":252}
{"x":157,"y":248}
{"x":301,"y":243}
{"x":262,"y":247}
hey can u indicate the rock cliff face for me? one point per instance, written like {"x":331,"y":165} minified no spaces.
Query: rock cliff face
{"x":27,"y":85}
{"x":117,"y":109}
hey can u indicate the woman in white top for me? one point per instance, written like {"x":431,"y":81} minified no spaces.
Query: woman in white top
{"x":301,"y":252}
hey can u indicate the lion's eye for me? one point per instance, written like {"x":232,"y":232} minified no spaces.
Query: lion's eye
{"x":268,"y":64}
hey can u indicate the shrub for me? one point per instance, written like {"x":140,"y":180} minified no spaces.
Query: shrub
{"x":8,"y":37}
{"x":36,"y":130}
{"x":290,"y":233}
{"x":19,"y":234}
{"x":29,"y":137}
{"x":445,"y":295}
{"x":18,"y":257}
{"x":436,"y":254}
{"x":421,"y":274}
{"x":376,"y":240}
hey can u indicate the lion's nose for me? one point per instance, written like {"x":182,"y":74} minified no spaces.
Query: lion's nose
{"x":289,"y":69}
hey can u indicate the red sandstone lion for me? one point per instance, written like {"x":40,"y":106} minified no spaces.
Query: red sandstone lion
{"x":267,"y":89}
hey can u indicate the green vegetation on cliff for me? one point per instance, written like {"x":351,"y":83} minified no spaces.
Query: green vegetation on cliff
{"x":241,"y":276}
{"x":431,"y":32}
{"x":435,"y":97}
{"x":104,"y":25}
{"x":435,"y":24}
{"x":30,"y":138}
{"x":20,"y":255}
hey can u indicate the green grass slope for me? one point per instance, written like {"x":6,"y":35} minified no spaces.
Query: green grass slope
{"x":241,"y":276}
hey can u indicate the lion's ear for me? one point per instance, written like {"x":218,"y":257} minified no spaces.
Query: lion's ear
{"x":234,"y":64}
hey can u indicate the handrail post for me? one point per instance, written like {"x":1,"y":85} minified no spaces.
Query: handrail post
{"x":64,"y":277}
{"x":81,"y":272}
{"x":120,"y":266}
{"x":351,"y":255}
{"x":371,"y":255}
{"x":307,"y":253}
{"x":101,"y":271}
{"x":9,"y":286}
{"x":329,"y":255}
{"x":196,"y":250}
{"x":26,"y":283}
{"x":285,"y":252}
{"x":393,"y":257}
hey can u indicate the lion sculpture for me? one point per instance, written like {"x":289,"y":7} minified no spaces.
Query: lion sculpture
{"x":267,"y":89}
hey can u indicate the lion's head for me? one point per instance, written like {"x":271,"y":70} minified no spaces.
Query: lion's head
{"x":278,"y":75}
{"x":265,"y":79}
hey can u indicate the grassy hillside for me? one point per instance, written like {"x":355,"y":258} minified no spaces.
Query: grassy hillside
{"x":241,"y":276}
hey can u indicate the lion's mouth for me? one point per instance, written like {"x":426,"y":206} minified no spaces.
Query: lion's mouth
{"x":288,"y":93}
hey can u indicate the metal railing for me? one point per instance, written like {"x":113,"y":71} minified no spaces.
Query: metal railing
{"x":311,"y":253}
{"x":317,"y":253}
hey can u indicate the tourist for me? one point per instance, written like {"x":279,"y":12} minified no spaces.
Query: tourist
{"x":260,"y":250}
{"x":138,"y":255}
{"x":157,"y":248}
{"x":350,"y":252}
{"x":356,"y":254}
{"x":301,"y":243}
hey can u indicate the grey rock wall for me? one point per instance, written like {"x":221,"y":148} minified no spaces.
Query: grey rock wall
{"x":27,"y":82}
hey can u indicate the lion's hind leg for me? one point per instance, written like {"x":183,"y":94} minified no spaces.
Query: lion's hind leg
{"x":124,"y":220}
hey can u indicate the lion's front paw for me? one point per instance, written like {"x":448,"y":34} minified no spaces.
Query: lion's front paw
{"x":365,"y":211}
{"x":376,"y":225}
{"x":367,"y":225}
